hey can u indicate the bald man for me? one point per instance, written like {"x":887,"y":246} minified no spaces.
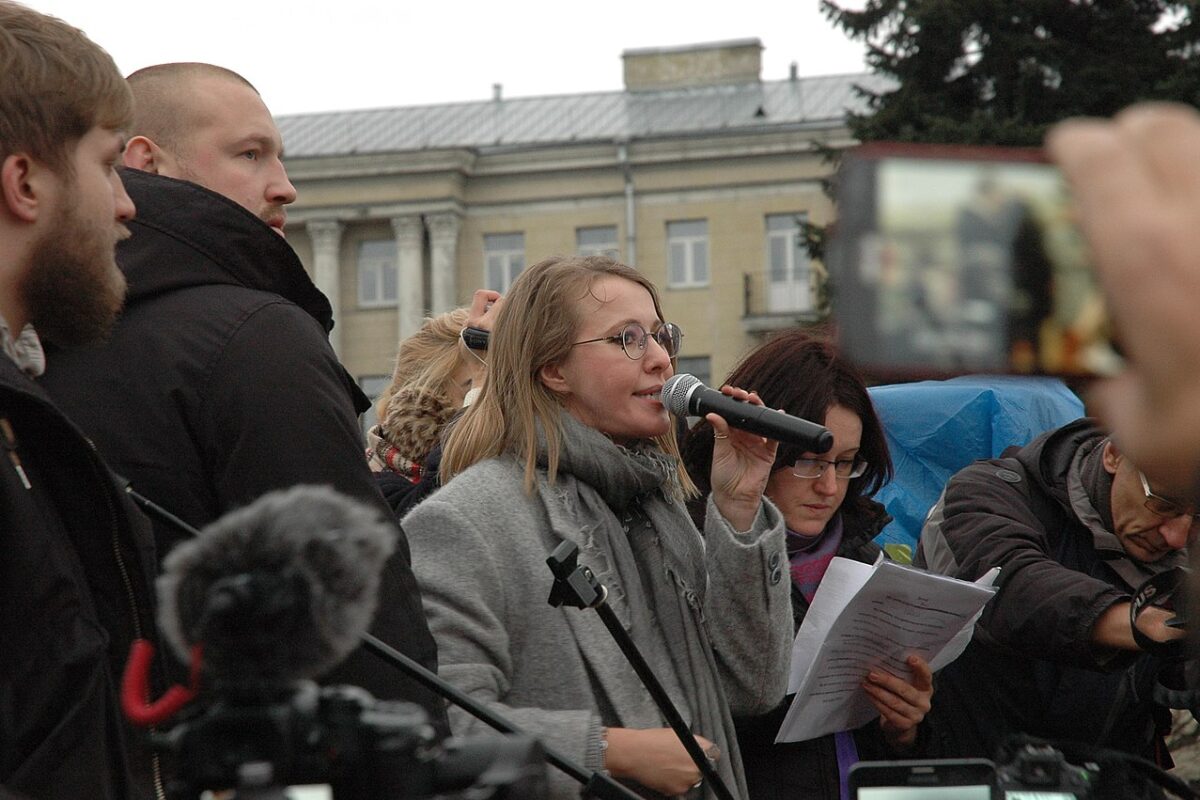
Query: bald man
{"x":219,"y":383}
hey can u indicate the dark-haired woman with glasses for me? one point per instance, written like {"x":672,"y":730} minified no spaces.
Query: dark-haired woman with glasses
{"x":569,"y":441}
{"x":826,"y":502}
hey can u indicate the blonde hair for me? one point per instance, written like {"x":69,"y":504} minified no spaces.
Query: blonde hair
{"x":428,"y":358}
{"x":536,"y":326}
{"x":416,"y":405}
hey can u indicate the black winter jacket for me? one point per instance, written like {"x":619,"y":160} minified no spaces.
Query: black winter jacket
{"x":75,"y":575}
{"x":219,"y":384}
{"x":1031,"y":667}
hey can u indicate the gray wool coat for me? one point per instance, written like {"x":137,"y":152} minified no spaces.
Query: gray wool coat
{"x":479,"y":547}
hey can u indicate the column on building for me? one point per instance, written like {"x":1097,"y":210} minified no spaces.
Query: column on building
{"x":443,"y":268}
{"x":410,"y":281}
{"x":326,"y":237}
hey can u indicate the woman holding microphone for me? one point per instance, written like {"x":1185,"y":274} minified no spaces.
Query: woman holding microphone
{"x":569,"y":441}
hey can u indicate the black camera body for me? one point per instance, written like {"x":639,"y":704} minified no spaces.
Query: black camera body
{"x":1027,"y":772}
{"x":1044,"y":771}
{"x":259,"y":743}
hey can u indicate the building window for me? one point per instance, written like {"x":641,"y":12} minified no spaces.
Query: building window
{"x":503,"y":259}
{"x":788,"y":280}
{"x":377,"y":280}
{"x":372,"y":386}
{"x":598,"y":241}
{"x":687,"y":248}
{"x":699,"y":366}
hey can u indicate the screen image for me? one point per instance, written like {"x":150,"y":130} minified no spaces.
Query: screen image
{"x":924,"y":793}
{"x":947,"y":265}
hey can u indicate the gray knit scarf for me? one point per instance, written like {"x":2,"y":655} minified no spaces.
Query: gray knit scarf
{"x":599,"y":484}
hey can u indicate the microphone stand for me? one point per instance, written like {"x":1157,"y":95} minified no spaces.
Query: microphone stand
{"x":597,"y":783}
{"x":594,"y":782}
{"x":577,"y":586}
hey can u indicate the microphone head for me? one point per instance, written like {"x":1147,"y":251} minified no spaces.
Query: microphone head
{"x":675,"y":393}
{"x":279,"y":590}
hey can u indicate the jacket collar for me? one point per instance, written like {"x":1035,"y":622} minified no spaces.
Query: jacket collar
{"x":235,"y":246}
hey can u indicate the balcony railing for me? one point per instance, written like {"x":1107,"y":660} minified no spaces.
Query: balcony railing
{"x":769,"y":305}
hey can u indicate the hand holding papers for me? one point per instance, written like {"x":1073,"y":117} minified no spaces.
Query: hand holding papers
{"x":865,"y":617}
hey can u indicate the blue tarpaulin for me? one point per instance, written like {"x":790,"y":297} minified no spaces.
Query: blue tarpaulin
{"x":935,"y":428}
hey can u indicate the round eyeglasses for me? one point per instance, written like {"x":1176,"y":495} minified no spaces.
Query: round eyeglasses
{"x":633,"y":336}
{"x":1164,"y":506}
{"x":813,"y":468}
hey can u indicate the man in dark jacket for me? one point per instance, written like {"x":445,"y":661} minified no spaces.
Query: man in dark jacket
{"x":219,"y":383}
{"x":1075,"y":528}
{"x":76,"y":560}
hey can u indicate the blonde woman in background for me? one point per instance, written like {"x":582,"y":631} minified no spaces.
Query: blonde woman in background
{"x":435,"y":373}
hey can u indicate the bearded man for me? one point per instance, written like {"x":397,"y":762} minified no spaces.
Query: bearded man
{"x":77,"y":563}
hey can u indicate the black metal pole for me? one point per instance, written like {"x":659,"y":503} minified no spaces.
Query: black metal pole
{"x":597,"y":783}
{"x":578,"y":586}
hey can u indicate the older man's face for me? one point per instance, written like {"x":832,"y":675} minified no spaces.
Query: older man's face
{"x":235,"y":150}
{"x":1146,"y":535}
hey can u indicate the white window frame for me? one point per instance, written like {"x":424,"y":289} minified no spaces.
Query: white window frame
{"x":689,"y":244}
{"x":511,"y":259}
{"x":796,"y":264}
{"x":371,"y":271}
{"x":610,"y":247}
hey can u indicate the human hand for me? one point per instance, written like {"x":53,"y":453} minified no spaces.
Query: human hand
{"x":1136,"y":183}
{"x":485,"y":306}
{"x":901,"y":703}
{"x":741,"y":465}
{"x":655,"y":758}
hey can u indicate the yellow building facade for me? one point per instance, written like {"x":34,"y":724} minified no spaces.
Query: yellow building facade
{"x":697,"y":174}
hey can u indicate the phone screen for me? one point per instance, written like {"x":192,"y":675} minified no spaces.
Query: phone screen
{"x":925,"y":793}
{"x":945,"y":779}
{"x":950,"y":260}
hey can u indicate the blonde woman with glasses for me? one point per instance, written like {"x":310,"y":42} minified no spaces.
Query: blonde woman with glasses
{"x":568,"y":441}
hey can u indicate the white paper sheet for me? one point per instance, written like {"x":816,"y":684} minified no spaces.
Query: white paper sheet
{"x":866,"y":617}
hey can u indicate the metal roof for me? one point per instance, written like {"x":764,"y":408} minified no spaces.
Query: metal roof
{"x":558,"y":119}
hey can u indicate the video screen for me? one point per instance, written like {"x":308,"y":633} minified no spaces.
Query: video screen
{"x":949,"y":260}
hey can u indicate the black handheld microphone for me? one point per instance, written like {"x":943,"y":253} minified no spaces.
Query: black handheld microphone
{"x":685,"y":395}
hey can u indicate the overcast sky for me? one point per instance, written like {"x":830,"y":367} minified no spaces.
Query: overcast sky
{"x":307,"y":56}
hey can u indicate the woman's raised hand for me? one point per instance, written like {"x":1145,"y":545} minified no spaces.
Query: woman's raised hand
{"x":741,"y":465}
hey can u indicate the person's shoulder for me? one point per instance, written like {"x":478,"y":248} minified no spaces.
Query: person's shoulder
{"x":491,"y":476}
{"x":999,"y":472}
{"x":485,"y":490}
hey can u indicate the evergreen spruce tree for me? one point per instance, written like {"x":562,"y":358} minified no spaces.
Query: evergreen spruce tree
{"x":1002,"y":72}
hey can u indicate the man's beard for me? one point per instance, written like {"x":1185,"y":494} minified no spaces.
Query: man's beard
{"x":73,"y":290}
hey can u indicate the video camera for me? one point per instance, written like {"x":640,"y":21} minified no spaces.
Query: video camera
{"x":340,"y":738}
{"x":261,"y":602}
{"x":1025,"y":769}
